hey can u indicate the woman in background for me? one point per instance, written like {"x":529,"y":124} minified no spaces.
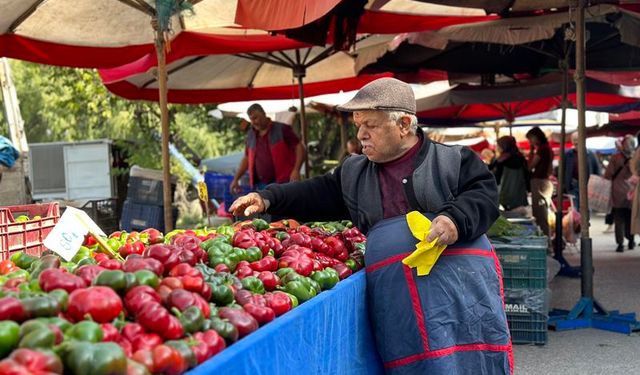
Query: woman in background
{"x":619,"y":172}
{"x":539,"y":164}
{"x":511,"y":174}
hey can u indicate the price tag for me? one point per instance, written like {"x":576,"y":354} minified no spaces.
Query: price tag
{"x":67,"y":236}
{"x":203,"y":193}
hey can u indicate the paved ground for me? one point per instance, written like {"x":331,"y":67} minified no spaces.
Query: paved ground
{"x":590,"y":351}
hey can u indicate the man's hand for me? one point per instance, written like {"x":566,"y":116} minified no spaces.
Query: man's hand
{"x":295,"y":175}
{"x":248,"y":205}
{"x":234,"y":187}
{"x":444,"y":229}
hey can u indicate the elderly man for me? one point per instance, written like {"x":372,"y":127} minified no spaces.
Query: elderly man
{"x":452,"y":320}
{"x":273,"y":152}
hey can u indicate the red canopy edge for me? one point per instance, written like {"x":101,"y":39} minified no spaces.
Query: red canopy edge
{"x":281,"y":14}
{"x":22,"y":48}
{"x":381,"y":22}
{"x":129,"y":91}
{"x":196,"y":44}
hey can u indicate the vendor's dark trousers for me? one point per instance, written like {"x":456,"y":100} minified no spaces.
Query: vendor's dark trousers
{"x":622,"y":221}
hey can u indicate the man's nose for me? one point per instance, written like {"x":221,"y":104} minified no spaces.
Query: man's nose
{"x":362,"y":133}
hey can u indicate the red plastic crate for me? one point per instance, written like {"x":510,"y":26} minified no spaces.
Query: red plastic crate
{"x":29,"y":235}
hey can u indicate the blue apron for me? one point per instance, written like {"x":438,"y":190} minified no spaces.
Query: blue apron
{"x":451,"y":321}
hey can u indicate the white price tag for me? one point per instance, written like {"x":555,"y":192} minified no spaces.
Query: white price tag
{"x":68,"y":234}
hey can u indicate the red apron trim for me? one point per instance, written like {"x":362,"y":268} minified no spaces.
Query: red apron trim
{"x":448,"y":351}
{"x":386,"y":262}
{"x":417,"y":306}
{"x":476,"y":252}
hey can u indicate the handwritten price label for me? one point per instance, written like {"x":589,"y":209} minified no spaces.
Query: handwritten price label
{"x":67,"y":236}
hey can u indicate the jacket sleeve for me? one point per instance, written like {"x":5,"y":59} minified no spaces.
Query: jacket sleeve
{"x":315,"y":199}
{"x":475,"y":208}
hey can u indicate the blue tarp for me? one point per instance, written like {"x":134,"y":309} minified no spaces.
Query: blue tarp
{"x":330,"y":334}
{"x":8,"y":153}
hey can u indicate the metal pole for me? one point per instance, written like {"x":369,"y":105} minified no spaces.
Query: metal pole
{"x":561,"y":171}
{"x":164,"y":119}
{"x":586,"y":260}
{"x":299,"y":72}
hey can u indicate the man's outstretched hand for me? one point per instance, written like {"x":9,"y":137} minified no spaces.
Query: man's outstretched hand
{"x":248,"y":205}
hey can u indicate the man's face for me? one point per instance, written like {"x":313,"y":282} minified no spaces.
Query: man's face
{"x":258,"y":120}
{"x":380,"y":137}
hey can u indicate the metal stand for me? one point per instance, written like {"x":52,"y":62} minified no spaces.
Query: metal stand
{"x":587,"y":313}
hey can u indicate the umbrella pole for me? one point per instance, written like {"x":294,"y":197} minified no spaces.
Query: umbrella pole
{"x":299,"y":73}
{"x":587,"y":313}
{"x":164,"y":119}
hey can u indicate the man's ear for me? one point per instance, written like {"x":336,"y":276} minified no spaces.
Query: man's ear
{"x":405,"y":125}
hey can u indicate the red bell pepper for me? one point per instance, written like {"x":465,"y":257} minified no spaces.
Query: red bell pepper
{"x":136,"y":262}
{"x":279,"y":302}
{"x":99,"y":257}
{"x":199,"y":349}
{"x":222,"y":268}
{"x":131,"y":330}
{"x":244,"y":238}
{"x":300,"y":262}
{"x":146,"y":341}
{"x":193,"y":283}
{"x":243,"y":296}
{"x":184,"y":269}
{"x":343,"y":270}
{"x":26,"y":361}
{"x":187,"y":256}
{"x":89,"y":272}
{"x":269,"y":280}
{"x":338,"y":248}
{"x":55,"y":278}
{"x":110,"y":332}
{"x":262,"y":314}
{"x":206,"y":292}
{"x":268,"y":263}
{"x":243,"y":321}
{"x":125,"y":345}
{"x":163,"y":359}
{"x":167,"y":285}
{"x":101,"y":303}
{"x":155,"y":318}
{"x":182,"y":299}
{"x":138,"y":297}
{"x":215,"y":343}
{"x":301,"y":249}
{"x":325,"y":260}
{"x":110,"y":264}
{"x":153,"y":236}
{"x":243,"y":271}
{"x":166,"y":254}
{"x":298,"y":238}
{"x":131,"y":248}
{"x":320,"y":246}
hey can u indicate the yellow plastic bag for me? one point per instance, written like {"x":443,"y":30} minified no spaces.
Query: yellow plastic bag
{"x":426,"y":253}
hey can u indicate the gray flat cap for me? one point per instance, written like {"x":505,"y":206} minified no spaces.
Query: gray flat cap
{"x":387,"y":94}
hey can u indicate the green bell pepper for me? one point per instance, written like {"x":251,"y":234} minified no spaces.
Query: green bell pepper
{"x":86,"y":331}
{"x":253,"y":284}
{"x":23,"y":260}
{"x":38,"y":337}
{"x":103,"y":358}
{"x":41,"y":306}
{"x":83,"y":253}
{"x":146,"y":277}
{"x":61,"y":323}
{"x":253,"y":254}
{"x":301,"y":289}
{"x":228,"y":331}
{"x":62,"y":298}
{"x":114,"y":279}
{"x":260,"y":224}
{"x":221,"y":252}
{"x":226,"y":231}
{"x":326,"y":279}
{"x":86,"y":261}
{"x":191,"y":318}
{"x":283,"y":271}
{"x":185,"y":351}
{"x":18,"y":274}
{"x":222,"y":295}
{"x":9,"y":337}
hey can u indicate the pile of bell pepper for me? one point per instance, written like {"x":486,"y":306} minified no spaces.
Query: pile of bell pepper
{"x":173,"y":302}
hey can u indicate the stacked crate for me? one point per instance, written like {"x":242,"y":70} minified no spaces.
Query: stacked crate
{"x":144,"y":207}
{"x":218,"y":188}
{"x":524,"y":271}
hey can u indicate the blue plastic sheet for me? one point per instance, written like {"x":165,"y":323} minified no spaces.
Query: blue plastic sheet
{"x":330,"y":334}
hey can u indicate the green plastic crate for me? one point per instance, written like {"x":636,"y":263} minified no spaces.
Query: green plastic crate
{"x":523,"y":261}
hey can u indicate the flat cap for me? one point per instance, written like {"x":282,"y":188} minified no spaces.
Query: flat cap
{"x":386,"y":94}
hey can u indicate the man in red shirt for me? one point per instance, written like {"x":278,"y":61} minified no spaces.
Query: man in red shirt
{"x":273,"y":152}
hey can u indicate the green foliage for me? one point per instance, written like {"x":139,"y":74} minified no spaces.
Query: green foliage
{"x":62,"y":104}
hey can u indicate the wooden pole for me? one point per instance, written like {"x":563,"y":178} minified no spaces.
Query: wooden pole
{"x":299,"y":73}
{"x":561,"y":171}
{"x":164,"y":119}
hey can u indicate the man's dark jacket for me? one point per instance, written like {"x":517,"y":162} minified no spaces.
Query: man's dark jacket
{"x":447,"y":180}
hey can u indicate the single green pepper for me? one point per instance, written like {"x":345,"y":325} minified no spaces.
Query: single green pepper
{"x":226,"y":231}
{"x":61,"y":323}
{"x":39,"y":338}
{"x":61,"y":296}
{"x":18,"y":274}
{"x":9,"y":337}
{"x":290,"y":276}
{"x":191,"y":318}
{"x":69,"y":266}
{"x":253,"y":284}
{"x":87,"y":261}
{"x":31,"y":326}
{"x":260,"y":224}
{"x":130,"y":280}
{"x":294,"y":300}
{"x":83,"y":253}
{"x":185,"y":351}
{"x":222,"y":295}
{"x":283,"y":271}
{"x":253,"y":254}
{"x":114,"y":279}
{"x":146,"y":277}
{"x":301,"y":291}
{"x":326,"y":279}
{"x":23,"y":260}
{"x":351,"y":264}
{"x":281,"y":236}
{"x":103,"y":358}
{"x":225,"y":329}
{"x":86,"y":331}
{"x":41,"y":306}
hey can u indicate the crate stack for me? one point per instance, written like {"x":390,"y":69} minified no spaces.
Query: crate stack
{"x":524,"y":272}
{"x":144,"y":207}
